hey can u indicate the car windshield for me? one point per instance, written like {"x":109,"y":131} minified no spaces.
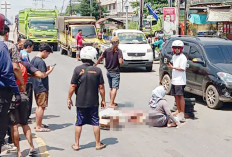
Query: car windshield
{"x":132,"y":38}
{"x":87,"y":31}
{"x":219,"y":54}
{"x":42,"y":24}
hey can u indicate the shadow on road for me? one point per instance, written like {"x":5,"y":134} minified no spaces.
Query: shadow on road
{"x":134,"y":70}
{"x":50,"y":116}
{"x":59,"y":126}
{"x":199,"y":100}
{"x":126,"y":104}
{"x":107,"y":142}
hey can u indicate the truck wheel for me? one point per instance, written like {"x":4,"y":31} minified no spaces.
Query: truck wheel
{"x":55,"y":46}
{"x":212,"y":98}
{"x":149,"y":69}
{"x":166,"y":82}
{"x":63,"y":52}
{"x":74,"y":55}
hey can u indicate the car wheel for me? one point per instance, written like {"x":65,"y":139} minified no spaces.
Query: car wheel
{"x":149,"y":69}
{"x":212,"y":98}
{"x":166,"y":82}
{"x":63,"y":52}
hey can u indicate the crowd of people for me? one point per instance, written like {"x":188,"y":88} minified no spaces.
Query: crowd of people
{"x":20,"y":77}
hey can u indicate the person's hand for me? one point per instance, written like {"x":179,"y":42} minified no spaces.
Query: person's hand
{"x":51,"y":68}
{"x":103,"y":104}
{"x":70,"y":104}
{"x":170,"y":65}
{"x":17,"y":99}
{"x":22,"y":88}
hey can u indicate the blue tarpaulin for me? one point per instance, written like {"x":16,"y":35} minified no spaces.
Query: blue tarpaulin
{"x":152,"y":12}
{"x":199,"y":19}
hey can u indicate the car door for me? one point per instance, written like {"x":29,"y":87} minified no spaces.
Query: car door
{"x":197,"y":70}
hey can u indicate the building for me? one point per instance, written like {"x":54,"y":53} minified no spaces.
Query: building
{"x":116,"y":8}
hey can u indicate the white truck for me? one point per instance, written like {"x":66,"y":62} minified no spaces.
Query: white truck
{"x":135,"y":48}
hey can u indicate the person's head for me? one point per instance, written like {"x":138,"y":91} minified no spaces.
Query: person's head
{"x":2,"y":21}
{"x":99,"y":35}
{"x":80,"y":31}
{"x":168,"y":18}
{"x":20,"y":43}
{"x":45,"y":50}
{"x":28,"y":46}
{"x":177,"y":46}
{"x":115,"y":42}
{"x":88,"y":54}
{"x":157,"y":94}
{"x":5,"y":32}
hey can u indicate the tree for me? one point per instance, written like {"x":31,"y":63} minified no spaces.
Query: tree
{"x":84,"y":9}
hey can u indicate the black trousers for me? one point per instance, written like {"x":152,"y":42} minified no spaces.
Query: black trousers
{"x":5,"y":101}
{"x":29,"y":89}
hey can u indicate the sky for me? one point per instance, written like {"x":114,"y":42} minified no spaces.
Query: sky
{"x":17,"y":5}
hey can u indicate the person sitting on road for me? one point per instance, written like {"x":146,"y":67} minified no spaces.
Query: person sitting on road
{"x":160,"y":114}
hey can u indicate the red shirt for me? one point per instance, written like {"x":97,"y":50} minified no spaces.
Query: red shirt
{"x":24,"y":74}
{"x":79,"y":39}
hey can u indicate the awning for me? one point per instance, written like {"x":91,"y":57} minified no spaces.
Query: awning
{"x":219,"y":15}
{"x":108,"y":19}
{"x":199,"y":19}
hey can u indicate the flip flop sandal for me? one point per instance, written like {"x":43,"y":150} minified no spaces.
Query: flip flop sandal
{"x":101,"y":146}
{"x":43,"y":126}
{"x":75,"y":149}
{"x":42,"y":130}
{"x":115,"y":106}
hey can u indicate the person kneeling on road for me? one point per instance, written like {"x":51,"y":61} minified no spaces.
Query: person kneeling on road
{"x":19,"y":112}
{"x":86,"y":81}
{"x":160,"y":114}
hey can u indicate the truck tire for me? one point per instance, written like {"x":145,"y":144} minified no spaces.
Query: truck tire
{"x":63,"y":52}
{"x":73,"y":55}
{"x":149,"y":69}
{"x":212,"y":98}
{"x":166,"y":82}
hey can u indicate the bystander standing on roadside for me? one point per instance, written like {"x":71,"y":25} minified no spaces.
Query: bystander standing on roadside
{"x":28,"y":48}
{"x":113,"y":57}
{"x":41,"y":86}
{"x":178,"y":66}
{"x":8,"y":86}
{"x":87,"y":81}
{"x":79,"y":39}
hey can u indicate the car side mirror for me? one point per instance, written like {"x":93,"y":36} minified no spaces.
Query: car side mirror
{"x":198,"y":60}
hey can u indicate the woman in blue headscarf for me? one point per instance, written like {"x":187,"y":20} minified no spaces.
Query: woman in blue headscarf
{"x":160,"y":114}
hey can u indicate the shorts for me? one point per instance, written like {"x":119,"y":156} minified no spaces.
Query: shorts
{"x":19,"y":114}
{"x":177,"y":90}
{"x":42,"y":99}
{"x":79,"y":50}
{"x":113,"y":79}
{"x":87,"y":116}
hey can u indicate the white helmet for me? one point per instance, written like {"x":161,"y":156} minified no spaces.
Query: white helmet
{"x":89,"y":53}
{"x":178,"y":43}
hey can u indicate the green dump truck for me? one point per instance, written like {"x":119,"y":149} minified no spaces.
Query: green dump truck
{"x":38,"y":25}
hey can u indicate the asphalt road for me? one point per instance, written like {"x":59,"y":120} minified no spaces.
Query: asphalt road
{"x":209,"y":135}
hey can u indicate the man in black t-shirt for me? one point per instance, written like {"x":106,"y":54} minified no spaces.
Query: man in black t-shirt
{"x":86,"y":82}
{"x":41,"y":86}
{"x":113,"y":57}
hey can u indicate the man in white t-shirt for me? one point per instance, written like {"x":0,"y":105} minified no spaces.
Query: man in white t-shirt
{"x":178,"y":66}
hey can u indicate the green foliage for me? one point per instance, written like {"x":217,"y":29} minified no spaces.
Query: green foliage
{"x":133,"y":25}
{"x":84,"y":9}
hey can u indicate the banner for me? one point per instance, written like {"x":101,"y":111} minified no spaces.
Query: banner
{"x":152,"y":12}
{"x":169,"y":25}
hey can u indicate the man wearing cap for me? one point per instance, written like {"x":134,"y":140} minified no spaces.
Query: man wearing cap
{"x":41,"y":86}
{"x":113,"y":57}
{"x":7,"y":85}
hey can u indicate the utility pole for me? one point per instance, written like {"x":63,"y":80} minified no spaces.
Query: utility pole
{"x":170,"y":3}
{"x":90,"y":8}
{"x":141,"y":16}
{"x":185,"y":17}
{"x":177,"y":6}
{"x":5,"y":6}
{"x":70,"y":7}
{"x":126,"y":7}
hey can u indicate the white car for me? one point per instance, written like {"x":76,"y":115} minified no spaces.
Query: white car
{"x":135,"y":48}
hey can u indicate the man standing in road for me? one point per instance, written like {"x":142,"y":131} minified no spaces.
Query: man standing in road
{"x":113,"y":57}
{"x":178,"y":66}
{"x":7,"y":85}
{"x":41,"y":86}
{"x":79,"y":39}
{"x":86,"y":82}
